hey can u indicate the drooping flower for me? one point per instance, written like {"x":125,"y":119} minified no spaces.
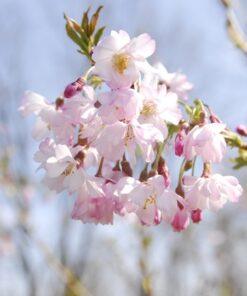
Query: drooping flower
{"x":211,"y":193}
{"x":118,"y":138}
{"x":119,"y":60}
{"x":151,"y":200}
{"x":119,"y":105}
{"x":174,"y":82}
{"x":97,"y":208}
{"x":206,"y":141}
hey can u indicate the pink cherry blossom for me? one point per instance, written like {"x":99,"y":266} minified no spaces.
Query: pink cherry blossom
{"x":159,"y":108}
{"x":211,"y":193}
{"x":97,"y":208}
{"x":118,"y":138}
{"x":120,"y":119}
{"x":175,"y":82}
{"x":123,"y":105}
{"x":60,"y":162}
{"x":207,"y":142}
{"x":151,"y":200}
{"x":33,"y":103}
{"x":119,"y":60}
{"x":49,"y":119}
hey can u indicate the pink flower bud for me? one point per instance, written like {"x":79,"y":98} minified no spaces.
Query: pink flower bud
{"x":242,"y":130}
{"x":179,"y":144}
{"x":157,"y":218}
{"x":181,"y":220}
{"x":196,"y":216}
{"x":73,"y":88}
{"x":214,"y":118}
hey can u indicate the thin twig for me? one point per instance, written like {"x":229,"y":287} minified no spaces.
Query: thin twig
{"x":234,"y":29}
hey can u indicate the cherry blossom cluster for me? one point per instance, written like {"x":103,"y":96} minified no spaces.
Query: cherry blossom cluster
{"x":107,"y":137}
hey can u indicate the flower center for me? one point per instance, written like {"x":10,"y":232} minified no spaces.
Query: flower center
{"x":150,"y":201}
{"x":69,"y":169}
{"x":149,"y":108}
{"x":120,"y":62}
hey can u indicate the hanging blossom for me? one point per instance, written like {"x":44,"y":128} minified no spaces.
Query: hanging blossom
{"x":105,"y":139}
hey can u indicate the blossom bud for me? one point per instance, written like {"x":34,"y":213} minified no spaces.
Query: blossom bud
{"x":181,"y":220}
{"x":157,"y":218}
{"x":242,"y":130}
{"x":74,"y":88}
{"x":196,"y":216}
{"x":179,"y":144}
{"x":214,"y":118}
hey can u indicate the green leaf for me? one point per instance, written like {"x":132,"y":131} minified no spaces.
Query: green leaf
{"x":172,"y":129}
{"x":94,"y":20}
{"x":72,"y":34}
{"x":85,"y":21}
{"x":98,"y":35}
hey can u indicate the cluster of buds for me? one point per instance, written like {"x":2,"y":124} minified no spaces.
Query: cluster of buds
{"x":107,"y":142}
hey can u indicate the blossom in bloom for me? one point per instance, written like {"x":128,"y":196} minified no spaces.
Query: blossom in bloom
{"x":175,"y":82}
{"x":206,"y":141}
{"x":61,"y":162}
{"x":33,"y":103}
{"x":211,"y":193}
{"x":118,"y":138}
{"x":49,"y":118}
{"x":122,"y":105}
{"x":159,"y":108}
{"x":119,"y":59}
{"x":151,"y":200}
{"x":109,"y":145}
{"x":93,"y":209}
{"x":97,"y":208}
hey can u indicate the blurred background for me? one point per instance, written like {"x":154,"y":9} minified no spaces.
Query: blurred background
{"x":42,"y":251}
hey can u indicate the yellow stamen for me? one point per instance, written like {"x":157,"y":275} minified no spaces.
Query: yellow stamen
{"x":69,"y":169}
{"x":120,"y":62}
{"x":150,"y":201}
{"x":149,"y":108}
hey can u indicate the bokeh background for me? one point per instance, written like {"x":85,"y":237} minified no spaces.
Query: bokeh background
{"x":42,"y":251}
